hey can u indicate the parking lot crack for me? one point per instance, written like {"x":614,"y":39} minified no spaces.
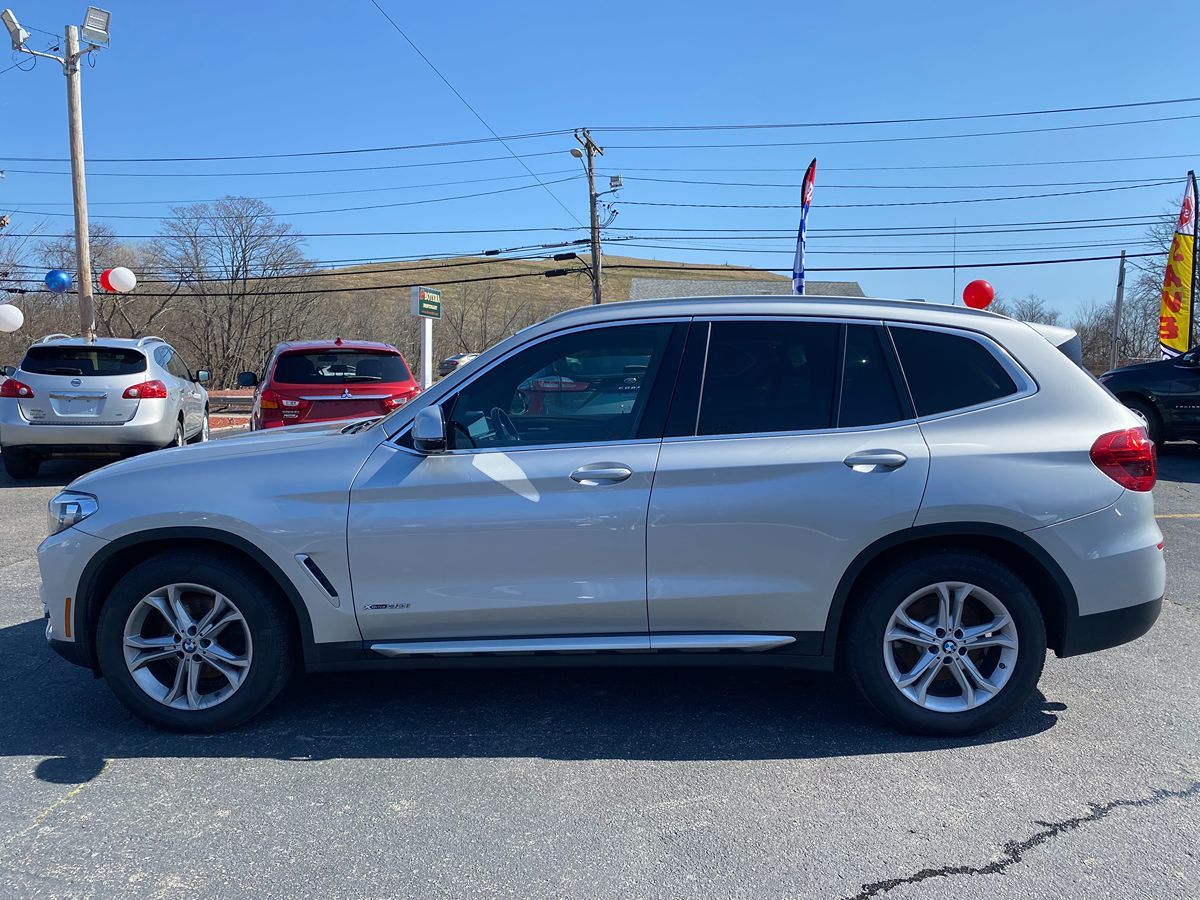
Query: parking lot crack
{"x":1014,"y":851}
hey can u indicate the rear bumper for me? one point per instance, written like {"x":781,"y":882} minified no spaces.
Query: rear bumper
{"x":1086,"y":634}
{"x":152,"y":426}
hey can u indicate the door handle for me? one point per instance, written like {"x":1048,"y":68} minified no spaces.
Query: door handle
{"x":595,"y":474}
{"x":887,"y":459}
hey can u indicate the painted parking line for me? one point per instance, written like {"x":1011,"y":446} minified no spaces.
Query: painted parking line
{"x":1179,"y":516}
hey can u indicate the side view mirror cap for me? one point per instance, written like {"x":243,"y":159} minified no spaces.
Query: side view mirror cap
{"x":429,"y":430}
{"x":247,"y":379}
{"x":202,"y":376}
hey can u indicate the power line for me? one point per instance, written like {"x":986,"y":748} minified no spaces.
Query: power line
{"x":899,"y":203}
{"x":958,"y":118}
{"x":474,"y":112}
{"x":891,"y":140}
{"x":1162,"y":179}
{"x":994,"y":165}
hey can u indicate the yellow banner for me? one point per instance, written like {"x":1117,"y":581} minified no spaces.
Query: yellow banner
{"x":1175,"y":311}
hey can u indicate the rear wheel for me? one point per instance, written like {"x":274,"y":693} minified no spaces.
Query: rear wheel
{"x":1149,"y":416}
{"x":20,"y":463}
{"x":191,"y":644}
{"x":179,"y":439}
{"x":947,"y":644}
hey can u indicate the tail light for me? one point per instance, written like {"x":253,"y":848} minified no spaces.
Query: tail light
{"x":147,"y":390}
{"x":1127,"y":457}
{"x":390,"y":404}
{"x":14,"y":388}
{"x":275,"y":407}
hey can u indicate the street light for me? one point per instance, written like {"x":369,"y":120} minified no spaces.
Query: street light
{"x":95,"y":26}
{"x":95,"y":33}
{"x":18,"y":34}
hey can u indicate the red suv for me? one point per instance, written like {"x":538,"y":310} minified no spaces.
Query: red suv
{"x":324,"y":381}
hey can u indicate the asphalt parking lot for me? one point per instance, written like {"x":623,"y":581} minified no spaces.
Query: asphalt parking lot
{"x":603,"y":783}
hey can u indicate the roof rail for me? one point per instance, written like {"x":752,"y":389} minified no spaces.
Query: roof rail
{"x":150,"y":339}
{"x":59,"y":336}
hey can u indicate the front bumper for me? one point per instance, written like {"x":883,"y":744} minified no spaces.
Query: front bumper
{"x":62,"y":558}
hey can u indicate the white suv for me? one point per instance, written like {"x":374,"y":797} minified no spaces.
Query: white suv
{"x":111,"y":397}
{"x":930,"y":496}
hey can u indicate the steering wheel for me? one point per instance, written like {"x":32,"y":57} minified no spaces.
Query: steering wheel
{"x":504,"y":424}
{"x":460,"y":427}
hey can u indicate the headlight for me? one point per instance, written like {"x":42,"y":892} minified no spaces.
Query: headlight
{"x":70,"y":508}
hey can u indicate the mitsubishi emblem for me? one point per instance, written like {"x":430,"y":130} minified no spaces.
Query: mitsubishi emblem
{"x":346,"y":395}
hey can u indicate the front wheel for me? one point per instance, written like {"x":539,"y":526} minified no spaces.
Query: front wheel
{"x":192,"y":644}
{"x":947,"y":644}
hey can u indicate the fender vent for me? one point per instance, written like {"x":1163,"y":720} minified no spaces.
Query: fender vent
{"x":315,"y":571}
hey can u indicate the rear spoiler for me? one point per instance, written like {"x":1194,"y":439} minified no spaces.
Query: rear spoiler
{"x":1065,"y":339}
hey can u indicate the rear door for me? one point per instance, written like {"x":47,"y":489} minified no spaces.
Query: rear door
{"x":795,"y":450}
{"x":80,"y":384}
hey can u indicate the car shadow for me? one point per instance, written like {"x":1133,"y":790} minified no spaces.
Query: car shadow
{"x":54,"y":473}
{"x":56,"y":710}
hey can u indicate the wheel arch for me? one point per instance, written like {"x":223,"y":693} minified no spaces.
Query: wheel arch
{"x":1053,"y":591}
{"x":105,"y":569}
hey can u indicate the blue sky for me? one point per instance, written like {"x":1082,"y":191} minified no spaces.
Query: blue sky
{"x":222,"y":79}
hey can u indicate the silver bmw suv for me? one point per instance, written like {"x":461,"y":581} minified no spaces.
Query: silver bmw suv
{"x":110,"y":397}
{"x":929,"y":497}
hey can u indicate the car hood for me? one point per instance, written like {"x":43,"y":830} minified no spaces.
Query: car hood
{"x":1152,"y":366}
{"x":251,"y":443}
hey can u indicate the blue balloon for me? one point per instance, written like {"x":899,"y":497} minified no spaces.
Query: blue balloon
{"x":58,"y":281}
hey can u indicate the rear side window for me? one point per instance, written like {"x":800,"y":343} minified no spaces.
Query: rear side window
{"x":869,"y":395}
{"x":55,"y":360}
{"x":763,"y":377}
{"x":949,"y":371}
{"x":340,"y":367}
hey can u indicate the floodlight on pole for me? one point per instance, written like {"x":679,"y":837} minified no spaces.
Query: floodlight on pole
{"x":18,"y":34}
{"x":95,"y":26}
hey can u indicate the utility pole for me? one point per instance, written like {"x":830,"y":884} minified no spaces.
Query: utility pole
{"x":83,"y":250}
{"x":590,"y":149}
{"x":95,"y":33}
{"x":1116,"y":332}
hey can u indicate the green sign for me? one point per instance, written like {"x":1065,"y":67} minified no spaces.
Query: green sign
{"x":426,"y":303}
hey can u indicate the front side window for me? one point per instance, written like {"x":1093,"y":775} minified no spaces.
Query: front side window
{"x":585,"y":387}
{"x":948,"y":371}
{"x":769,"y":376}
{"x":178,"y":367}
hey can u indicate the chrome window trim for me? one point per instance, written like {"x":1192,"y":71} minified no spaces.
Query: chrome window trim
{"x":393,"y":439}
{"x":1025,"y":383}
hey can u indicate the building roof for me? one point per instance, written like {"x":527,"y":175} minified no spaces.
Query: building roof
{"x":664,"y":288}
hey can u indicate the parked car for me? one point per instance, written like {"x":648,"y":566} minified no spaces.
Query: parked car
{"x":111,"y":397}
{"x":450,"y":363}
{"x":929,"y":495}
{"x":327,"y":381}
{"x":1164,"y":394}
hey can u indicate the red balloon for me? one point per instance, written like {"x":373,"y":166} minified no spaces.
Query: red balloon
{"x":104,"y":282}
{"x":979,"y":294}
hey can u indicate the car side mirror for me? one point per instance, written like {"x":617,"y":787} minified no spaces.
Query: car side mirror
{"x":10,"y":371}
{"x":202,"y":376}
{"x":429,"y":430}
{"x":247,"y":379}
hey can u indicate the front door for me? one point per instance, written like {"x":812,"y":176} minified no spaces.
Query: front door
{"x":801,"y":452}
{"x":533,"y":522}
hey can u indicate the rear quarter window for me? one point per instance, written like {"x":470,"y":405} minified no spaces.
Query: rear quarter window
{"x":948,"y":371}
{"x":83,"y":361}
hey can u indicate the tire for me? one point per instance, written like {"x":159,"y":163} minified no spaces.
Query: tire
{"x":201,"y":436}
{"x":879,"y":669}
{"x":20,"y":464}
{"x":1149,"y":415}
{"x":258,"y":648}
{"x":179,"y":439}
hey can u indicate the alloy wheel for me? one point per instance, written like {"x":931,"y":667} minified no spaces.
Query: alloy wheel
{"x":950,"y":647}
{"x":187,"y":646}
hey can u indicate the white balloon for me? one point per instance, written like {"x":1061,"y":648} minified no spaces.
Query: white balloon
{"x":122,"y":280}
{"x":11,"y":318}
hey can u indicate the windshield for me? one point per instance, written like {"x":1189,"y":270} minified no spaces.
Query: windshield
{"x":340,"y":367}
{"x":58,"y":360}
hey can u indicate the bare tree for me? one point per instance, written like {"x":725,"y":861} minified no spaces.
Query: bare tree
{"x":244,"y":283}
{"x":1030,"y":308}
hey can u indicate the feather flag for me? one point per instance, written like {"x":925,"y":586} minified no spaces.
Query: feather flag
{"x":1179,"y":285}
{"x":806,"y":192}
